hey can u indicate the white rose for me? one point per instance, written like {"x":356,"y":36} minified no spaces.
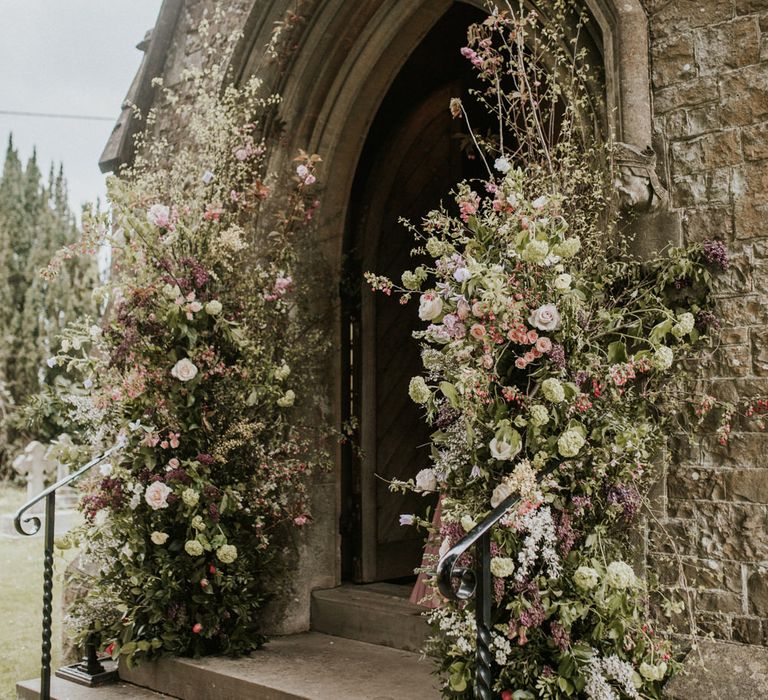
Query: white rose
{"x":156,"y":495}
{"x":563,"y":282}
{"x":213,"y":308}
{"x":227,"y":553}
{"x":184,"y":370}
{"x":430,"y":307}
{"x":426,"y":480}
{"x":159,"y":537}
{"x":282,"y":372}
{"x":545,"y":318}
{"x":585,"y":577}
{"x":287,"y":399}
{"x":503,"y":450}
{"x":193,"y":548}
{"x":540,"y":202}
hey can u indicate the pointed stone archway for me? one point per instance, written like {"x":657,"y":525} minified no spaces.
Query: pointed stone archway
{"x":346,"y":61}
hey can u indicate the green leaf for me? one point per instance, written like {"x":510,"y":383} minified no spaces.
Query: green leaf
{"x":617,"y":352}
{"x":450,"y":393}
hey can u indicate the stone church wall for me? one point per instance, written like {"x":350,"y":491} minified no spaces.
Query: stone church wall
{"x":709,"y":67}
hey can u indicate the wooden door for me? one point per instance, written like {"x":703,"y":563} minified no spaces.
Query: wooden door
{"x":414,"y":170}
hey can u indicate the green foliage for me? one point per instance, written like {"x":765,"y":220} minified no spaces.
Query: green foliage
{"x":35,"y":221}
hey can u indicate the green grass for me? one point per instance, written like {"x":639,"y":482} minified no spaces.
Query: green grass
{"x":21,"y":602}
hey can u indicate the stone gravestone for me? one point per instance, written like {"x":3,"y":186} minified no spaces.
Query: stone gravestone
{"x":40,"y":466}
{"x":34,"y":465}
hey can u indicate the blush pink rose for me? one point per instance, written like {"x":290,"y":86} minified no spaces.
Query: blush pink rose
{"x":156,"y":495}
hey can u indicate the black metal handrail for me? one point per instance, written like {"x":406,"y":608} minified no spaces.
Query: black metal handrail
{"x":92,"y":665}
{"x":477,"y":582}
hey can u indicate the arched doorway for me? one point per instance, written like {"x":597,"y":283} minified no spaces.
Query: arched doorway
{"x":411,"y":159}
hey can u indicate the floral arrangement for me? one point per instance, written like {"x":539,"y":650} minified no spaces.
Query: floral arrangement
{"x":200,"y":369}
{"x":554,"y":367}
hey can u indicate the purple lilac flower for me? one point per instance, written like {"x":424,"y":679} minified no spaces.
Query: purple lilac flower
{"x":627,"y":498}
{"x":716,"y":254}
{"x":557,"y":355}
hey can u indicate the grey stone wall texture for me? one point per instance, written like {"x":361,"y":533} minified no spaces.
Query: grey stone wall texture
{"x":709,"y":107}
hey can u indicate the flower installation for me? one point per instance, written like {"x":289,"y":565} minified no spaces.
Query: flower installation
{"x":202,"y":367}
{"x":554,"y":369}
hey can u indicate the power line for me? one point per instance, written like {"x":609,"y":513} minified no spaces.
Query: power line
{"x":80,"y":117}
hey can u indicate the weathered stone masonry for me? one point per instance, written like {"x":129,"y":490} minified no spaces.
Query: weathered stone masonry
{"x":709,"y":64}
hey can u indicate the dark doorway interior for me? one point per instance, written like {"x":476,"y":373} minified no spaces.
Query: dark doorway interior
{"x":411,"y":159}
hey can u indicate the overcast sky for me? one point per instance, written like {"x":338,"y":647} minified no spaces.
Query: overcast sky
{"x":68,"y":57}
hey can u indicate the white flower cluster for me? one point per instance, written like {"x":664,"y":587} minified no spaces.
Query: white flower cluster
{"x":460,"y":625}
{"x":611,"y":667}
{"x":541,"y":540}
{"x":501,"y":648}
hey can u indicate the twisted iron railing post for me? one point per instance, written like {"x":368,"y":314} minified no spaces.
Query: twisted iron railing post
{"x":35,"y":523}
{"x":50,"y":528}
{"x":483,"y":658}
{"x":460,"y":583}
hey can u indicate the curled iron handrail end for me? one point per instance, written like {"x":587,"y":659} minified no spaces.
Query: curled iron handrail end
{"x":447,"y":569}
{"x":35,"y":521}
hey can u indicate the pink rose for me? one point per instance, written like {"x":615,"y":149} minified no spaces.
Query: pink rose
{"x":545,"y":318}
{"x":156,"y":495}
{"x":543,"y":345}
{"x":197,"y":628}
{"x":477,"y":331}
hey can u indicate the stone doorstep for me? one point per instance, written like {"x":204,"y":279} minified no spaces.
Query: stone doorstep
{"x":722,"y":671}
{"x":309,"y":666}
{"x":66,"y":690}
{"x":378,"y":613}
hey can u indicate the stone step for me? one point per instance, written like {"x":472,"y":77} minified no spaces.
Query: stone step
{"x":66,"y":690}
{"x":309,"y":666}
{"x":377,"y":613}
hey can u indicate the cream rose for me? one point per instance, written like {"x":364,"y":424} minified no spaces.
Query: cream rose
{"x":227,"y":553}
{"x":156,"y":495}
{"x":501,"y":567}
{"x":159,"y":537}
{"x":193,"y":548}
{"x":184,"y":370}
